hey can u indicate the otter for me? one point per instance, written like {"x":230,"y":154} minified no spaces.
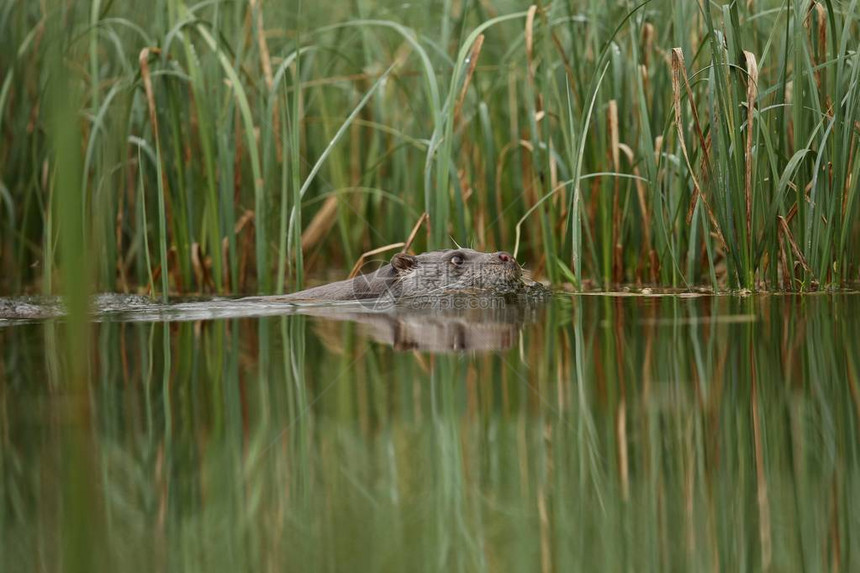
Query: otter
{"x":431,"y":273}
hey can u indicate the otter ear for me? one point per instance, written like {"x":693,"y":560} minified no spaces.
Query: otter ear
{"x":403,"y":262}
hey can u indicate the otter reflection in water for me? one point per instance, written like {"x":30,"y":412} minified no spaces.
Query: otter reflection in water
{"x":456,"y":322}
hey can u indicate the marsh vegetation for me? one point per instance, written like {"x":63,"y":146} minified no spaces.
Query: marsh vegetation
{"x":231,"y":147}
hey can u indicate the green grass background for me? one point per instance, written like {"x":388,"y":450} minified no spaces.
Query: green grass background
{"x":284,"y":137}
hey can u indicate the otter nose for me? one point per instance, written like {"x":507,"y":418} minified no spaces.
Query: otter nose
{"x":505,"y":257}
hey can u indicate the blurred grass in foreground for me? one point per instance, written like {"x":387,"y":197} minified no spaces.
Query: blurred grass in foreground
{"x":646,"y":434}
{"x":227,"y":146}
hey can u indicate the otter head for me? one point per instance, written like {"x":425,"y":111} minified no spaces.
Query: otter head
{"x":438,"y":272}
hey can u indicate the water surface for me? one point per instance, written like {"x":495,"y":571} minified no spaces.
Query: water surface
{"x":594,"y":432}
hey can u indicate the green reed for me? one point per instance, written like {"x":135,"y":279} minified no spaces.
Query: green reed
{"x":606,"y":142}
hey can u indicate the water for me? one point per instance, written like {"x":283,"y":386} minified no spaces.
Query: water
{"x":591,"y":433}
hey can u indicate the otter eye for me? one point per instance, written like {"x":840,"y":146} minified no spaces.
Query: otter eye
{"x":457,"y":260}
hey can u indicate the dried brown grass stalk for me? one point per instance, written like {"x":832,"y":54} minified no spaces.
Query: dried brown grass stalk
{"x":798,"y":254}
{"x":529,"y":33}
{"x":370,"y":253}
{"x":821,"y":13}
{"x":531,"y":65}
{"x":402,"y":246}
{"x":146,"y":76}
{"x":265,"y":59}
{"x":647,"y":43}
{"x":852,"y":157}
{"x":615,"y":153}
{"x":678,"y":70}
{"x":320,"y":224}
{"x":424,"y":218}
{"x":706,"y":160}
{"x":568,"y":69}
{"x":473,"y":62}
{"x":266,"y":63}
{"x":752,"y":94}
